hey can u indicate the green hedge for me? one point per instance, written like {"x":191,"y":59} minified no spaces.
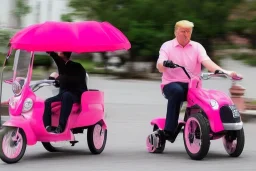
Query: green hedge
{"x":43,"y":60}
{"x":40,"y":60}
{"x":249,"y":59}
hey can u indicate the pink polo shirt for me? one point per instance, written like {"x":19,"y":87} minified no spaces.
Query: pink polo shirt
{"x":189,"y":56}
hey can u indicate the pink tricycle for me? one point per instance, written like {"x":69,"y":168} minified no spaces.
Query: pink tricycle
{"x":25,"y":125}
{"x":209,"y":115}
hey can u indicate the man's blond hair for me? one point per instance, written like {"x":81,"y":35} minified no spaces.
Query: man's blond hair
{"x":184,"y":23}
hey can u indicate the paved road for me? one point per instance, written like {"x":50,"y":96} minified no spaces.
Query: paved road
{"x":129,"y":111}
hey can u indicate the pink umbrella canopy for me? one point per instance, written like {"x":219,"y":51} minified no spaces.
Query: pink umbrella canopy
{"x":78,"y":37}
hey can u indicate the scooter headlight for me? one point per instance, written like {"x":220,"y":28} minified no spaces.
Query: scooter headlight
{"x":214,"y":104}
{"x":28,"y":104}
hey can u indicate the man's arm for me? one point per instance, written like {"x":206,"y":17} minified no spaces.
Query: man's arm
{"x":59,"y":62}
{"x":205,"y":60}
{"x":163,"y":56}
{"x":160,"y":66}
{"x":212,"y":67}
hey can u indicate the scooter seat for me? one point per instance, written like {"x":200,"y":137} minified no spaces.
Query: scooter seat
{"x":57,"y":105}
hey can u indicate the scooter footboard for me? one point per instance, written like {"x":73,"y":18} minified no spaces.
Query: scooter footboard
{"x":19,"y":122}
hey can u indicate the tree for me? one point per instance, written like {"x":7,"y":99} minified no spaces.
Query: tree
{"x":66,"y":17}
{"x":20,"y":11}
{"x":148,"y":23}
{"x":242,"y":21}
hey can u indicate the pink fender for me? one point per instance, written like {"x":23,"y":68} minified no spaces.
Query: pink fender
{"x":20,"y":122}
{"x":202,"y":97}
{"x":160,"y":122}
{"x":104,"y":124}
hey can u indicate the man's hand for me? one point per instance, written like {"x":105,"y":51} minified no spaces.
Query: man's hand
{"x":233,"y":74}
{"x":168,"y":64}
{"x":54,"y":75}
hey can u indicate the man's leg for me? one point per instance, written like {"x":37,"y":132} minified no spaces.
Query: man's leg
{"x":67,"y":101}
{"x":48,"y":111}
{"x":175,"y":93}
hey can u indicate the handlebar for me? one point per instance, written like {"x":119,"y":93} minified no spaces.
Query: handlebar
{"x":204,"y":76}
{"x":170,"y":64}
{"x":220,"y":74}
{"x":40,"y":83}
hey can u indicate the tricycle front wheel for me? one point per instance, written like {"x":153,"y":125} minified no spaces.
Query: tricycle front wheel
{"x":233,"y":142}
{"x":196,"y":136}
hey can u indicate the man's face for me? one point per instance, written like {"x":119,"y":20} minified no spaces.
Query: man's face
{"x":183,"y":35}
{"x":61,"y":55}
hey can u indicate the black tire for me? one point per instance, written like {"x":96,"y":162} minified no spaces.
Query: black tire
{"x":160,"y":149}
{"x":204,"y":136}
{"x":49,"y":147}
{"x":8,"y":130}
{"x":239,"y":136}
{"x":90,"y":138}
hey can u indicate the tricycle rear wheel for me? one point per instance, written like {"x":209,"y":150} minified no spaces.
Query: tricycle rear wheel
{"x":96,"y":138}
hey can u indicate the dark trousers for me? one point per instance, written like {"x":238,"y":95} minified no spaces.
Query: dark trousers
{"x":67,"y":100}
{"x":175,"y":93}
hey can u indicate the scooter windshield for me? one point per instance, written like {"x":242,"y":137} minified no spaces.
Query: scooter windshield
{"x":20,"y":71}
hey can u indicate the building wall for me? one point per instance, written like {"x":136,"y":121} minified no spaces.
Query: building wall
{"x":41,"y":11}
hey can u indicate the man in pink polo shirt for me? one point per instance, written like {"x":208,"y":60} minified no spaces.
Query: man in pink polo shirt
{"x":184,"y":52}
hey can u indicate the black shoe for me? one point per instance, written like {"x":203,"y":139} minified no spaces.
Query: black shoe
{"x":58,"y":130}
{"x":48,"y":128}
{"x":167,"y":135}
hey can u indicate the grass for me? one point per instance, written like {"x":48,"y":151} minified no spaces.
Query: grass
{"x":253,"y":102}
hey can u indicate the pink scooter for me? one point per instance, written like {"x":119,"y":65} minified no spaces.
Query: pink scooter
{"x":26,"y":127}
{"x":210,"y":115}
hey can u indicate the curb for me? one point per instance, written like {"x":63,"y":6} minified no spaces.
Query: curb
{"x":248,"y":115}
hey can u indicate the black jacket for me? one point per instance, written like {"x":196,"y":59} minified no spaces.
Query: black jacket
{"x":72,"y":75}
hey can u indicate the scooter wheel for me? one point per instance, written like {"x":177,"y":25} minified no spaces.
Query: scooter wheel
{"x":13,"y":144}
{"x":96,"y":138}
{"x":49,"y":147}
{"x":233,"y":142}
{"x":196,"y":136}
{"x":55,"y":146}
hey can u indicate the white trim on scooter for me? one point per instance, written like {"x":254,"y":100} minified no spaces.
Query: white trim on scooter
{"x":233,"y":126}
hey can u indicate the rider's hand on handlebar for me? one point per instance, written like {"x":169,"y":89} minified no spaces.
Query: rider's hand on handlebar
{"x":234,"y":75}
{"x":168,"y":64}
{"x":56,"y":83}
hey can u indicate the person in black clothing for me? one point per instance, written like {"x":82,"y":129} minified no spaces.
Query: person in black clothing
{"x":72,"y":83}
